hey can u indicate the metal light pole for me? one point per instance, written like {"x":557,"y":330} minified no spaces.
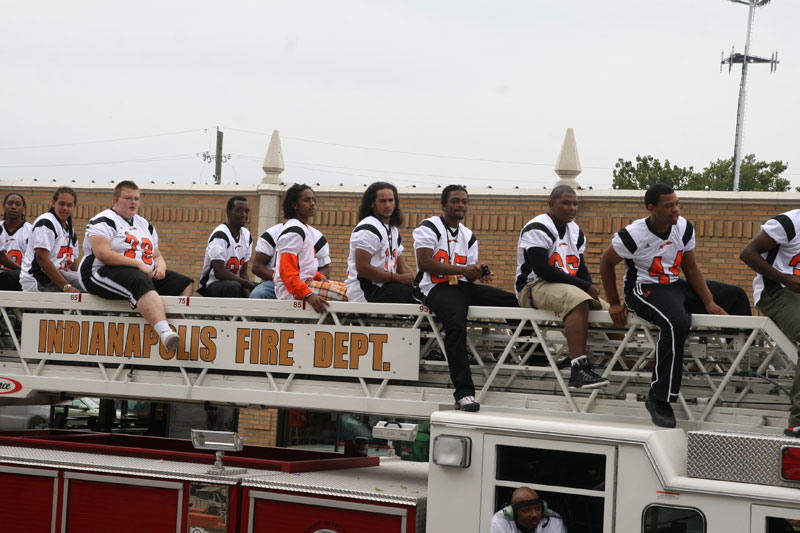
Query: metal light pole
{"x":745,"y":59}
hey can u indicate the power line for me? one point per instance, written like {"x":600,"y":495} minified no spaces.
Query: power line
{"x":387,"y":150}
{"x":142,"y":160}
{"x":102,"y":140}
{"x":393,"y":173}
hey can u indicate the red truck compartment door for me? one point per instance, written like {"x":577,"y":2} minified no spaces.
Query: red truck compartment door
{"x":27,"y":497}
{"x":100,"y":504}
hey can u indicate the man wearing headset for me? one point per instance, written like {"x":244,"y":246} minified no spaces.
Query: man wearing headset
{"x":527,"y":513}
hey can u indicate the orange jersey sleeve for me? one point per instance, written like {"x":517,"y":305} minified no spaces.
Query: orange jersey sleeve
{"x":290,"y":275}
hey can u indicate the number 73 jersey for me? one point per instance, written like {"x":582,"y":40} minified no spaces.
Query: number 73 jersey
{"x":653,"y":257}
{"x":135,"y":238}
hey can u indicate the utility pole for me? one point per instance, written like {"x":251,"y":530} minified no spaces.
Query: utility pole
{"x":745,"y":59}
{"x":218,"y":158}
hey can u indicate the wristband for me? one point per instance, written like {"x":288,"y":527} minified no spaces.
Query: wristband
{"x":307,"y":296}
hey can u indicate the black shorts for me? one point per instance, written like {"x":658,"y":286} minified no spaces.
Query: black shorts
{"x":128,"y":283}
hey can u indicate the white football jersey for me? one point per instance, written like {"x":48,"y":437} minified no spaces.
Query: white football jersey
{"x":296,"y":239}
{"x":652,"y":257}
{"x":266,"y":245}
{"x":47,"y":233}
{"x":451,"y":246}
{"x":785,"y":257}
{"x":223,"y":246}
{"x":14,"y":244}
{"x":564,"y":247}
{"x":382,"y":242}
{"x":135,"y":238}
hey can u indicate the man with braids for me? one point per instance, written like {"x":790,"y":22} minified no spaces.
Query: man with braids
{"x":122,"y":261}
{"x":49,"y":262}
{"x":447,"y":262}
{"x":14,"y":234}
{"x":552,"y":275}
{"x":297,"y":276}
{"x":376,"y":269}
{"x":224,"y":271}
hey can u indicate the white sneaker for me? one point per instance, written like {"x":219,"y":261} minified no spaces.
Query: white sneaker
{"x":468,"y":403}
{"x":170,"y":341}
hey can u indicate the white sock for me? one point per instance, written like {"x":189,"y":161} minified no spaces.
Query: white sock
{"x":578,"y":360}
{"x":162,"y":328}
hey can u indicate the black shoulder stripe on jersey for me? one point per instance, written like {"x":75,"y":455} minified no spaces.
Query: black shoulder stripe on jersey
{"x":149,"y":228}
{"x":687,"y":233}
{"x":399,"y":239}
{"x":293,"y":229}
{"x":472,"y":240}
{"x":47,"y":224}
{"x":431,"y":226}
{"x":581,"y":238}
{"x":627,"y":240}
{"x":787,"y":225}
{"x":320,"y":243}
{"x":267,"y":237}
{"x":538,"y":226}
{"x":103,"y":220}
{"x":371,"y":229}
{"x":220,"y":235}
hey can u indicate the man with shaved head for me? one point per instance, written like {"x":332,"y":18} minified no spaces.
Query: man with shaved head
{"x":527,"y":513}
{"x":552,"y":275}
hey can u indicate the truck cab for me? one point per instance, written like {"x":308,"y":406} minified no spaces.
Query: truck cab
{"x":608,"y":475}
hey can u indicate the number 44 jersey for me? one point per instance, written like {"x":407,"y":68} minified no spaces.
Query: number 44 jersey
{"x":136,"y":238}
{"x":653,"y":257}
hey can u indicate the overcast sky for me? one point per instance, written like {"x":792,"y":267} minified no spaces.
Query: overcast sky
{"x":414,"y":92}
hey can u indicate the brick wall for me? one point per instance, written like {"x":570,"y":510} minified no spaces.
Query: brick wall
{"x":185,"y":216}
{"x":258,"y":426}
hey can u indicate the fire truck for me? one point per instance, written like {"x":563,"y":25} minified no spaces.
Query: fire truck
{"x":594,"y":456}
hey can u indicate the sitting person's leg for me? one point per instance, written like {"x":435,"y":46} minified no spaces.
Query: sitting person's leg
{"x":127,"y":283}
{"x":450,"y":305}
{"x":264,"y":291}
{"x":573,"y":304}
{"x":225,"y":288}
{"x":9,"y":280}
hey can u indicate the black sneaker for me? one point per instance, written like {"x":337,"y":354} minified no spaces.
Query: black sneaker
{"x":468,"y":403}
{"x":583,"y":377}
{"x":792,"y":431}
{"x":660,"y":412}
{"x":563,"y":362}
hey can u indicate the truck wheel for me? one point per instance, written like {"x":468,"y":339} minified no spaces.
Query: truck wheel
{"x":37,"y":422}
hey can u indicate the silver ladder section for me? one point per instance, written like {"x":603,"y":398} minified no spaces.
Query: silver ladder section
{"x":737,"y":370}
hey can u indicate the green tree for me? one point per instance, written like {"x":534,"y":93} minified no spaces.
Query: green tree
{"x":717,"y":176}
{"x":648,"y":171}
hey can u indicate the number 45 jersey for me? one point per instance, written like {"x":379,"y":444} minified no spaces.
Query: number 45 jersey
{"x":653,"y":257}
{"x":135,"y":238}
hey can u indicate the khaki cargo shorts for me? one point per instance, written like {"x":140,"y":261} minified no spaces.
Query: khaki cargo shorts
{"x":560,"y":298}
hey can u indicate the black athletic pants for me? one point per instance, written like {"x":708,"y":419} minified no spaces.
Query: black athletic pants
{"x":9,"y":280}
{"x":670,"y":307}
{"x":397,"y":293}
{"x":450,"y":303}
{"x":223,"y":288}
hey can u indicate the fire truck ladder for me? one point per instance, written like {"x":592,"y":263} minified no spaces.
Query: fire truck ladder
{"x":737,"y":370}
